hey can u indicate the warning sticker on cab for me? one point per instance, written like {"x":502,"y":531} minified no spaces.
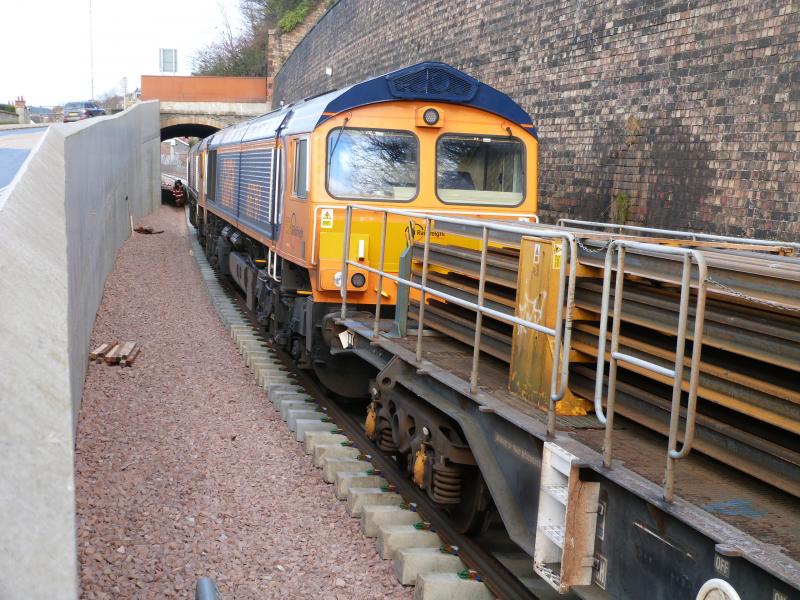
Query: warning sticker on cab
{"x":326,"y":218}
{"x":556,"y":256}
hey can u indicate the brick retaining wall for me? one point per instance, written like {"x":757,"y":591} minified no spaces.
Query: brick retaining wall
{"x":687,"y":112}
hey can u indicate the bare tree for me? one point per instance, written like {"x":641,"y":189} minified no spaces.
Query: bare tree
{"x":245,"y":54}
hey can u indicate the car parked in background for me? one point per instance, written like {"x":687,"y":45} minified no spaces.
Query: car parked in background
{"x":77,"y":111}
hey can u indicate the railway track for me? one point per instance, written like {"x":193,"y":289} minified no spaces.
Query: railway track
{"x":492,"y":557}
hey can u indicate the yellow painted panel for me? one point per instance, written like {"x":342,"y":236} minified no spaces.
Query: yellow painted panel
{"x":537,"y":301}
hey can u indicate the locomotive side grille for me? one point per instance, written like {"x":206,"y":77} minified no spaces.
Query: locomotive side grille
{"x":433,"y":83}
{"x":255,"y":186}
{"x":227,"y":181}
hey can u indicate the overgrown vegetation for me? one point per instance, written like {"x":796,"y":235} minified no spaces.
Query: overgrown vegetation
{"x":294,"y":17}
{"x":245,"y":54}
{"x":633,"y":128}
{"x":620,"y":208}
{"x":8,"y":108}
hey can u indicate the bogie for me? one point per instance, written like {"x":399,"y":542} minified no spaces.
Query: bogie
{"x":434,"y":452}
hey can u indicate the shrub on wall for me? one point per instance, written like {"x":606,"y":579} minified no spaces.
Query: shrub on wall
{"x":294,"y":17}
{"x":620,"y":208}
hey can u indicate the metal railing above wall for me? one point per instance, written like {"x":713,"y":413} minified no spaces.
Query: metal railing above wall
{"x":638,"y":230}
{"x":561,"y":332}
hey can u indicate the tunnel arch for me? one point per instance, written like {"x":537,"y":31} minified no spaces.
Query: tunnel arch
{"x":190,"y":126}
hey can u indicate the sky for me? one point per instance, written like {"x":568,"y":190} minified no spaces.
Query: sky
{"x":45,"y":54}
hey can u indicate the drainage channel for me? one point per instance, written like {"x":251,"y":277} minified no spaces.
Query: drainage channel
{"x":409,"y":527}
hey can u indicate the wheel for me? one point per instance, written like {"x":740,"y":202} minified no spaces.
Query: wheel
{"x":472,"y":514}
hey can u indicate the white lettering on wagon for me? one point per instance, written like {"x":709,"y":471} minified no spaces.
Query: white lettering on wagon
{"x":517,"y":450}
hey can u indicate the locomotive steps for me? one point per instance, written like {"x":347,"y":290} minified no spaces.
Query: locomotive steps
{"x":419,"y":556}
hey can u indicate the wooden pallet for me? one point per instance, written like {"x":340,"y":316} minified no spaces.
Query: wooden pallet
{"x":113,"y":353}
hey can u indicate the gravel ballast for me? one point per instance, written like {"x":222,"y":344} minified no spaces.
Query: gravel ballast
{"x":184,"y":471}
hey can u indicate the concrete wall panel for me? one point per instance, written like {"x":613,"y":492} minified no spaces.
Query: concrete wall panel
{"x":61,"y":225}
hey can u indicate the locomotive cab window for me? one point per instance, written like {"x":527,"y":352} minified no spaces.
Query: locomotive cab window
{"x":480,"y":170}
{"x":301,"y":168}
{"x":372,"y":164}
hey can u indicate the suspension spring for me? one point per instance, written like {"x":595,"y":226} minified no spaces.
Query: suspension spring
{"x":386,"y":441}
{"x":446,"y":484}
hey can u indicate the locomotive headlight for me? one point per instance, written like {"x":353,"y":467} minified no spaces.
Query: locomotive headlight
{"x":358,"y":280}
{"x":337,"y":279}
{"x":431,"y":116}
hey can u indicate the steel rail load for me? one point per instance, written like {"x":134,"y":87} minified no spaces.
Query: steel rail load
{"x":625,"y":400}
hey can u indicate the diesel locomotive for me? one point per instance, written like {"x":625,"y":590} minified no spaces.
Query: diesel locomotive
{"x":269,"y":195}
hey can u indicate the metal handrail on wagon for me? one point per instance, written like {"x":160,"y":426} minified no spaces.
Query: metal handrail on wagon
{"x":521,"y":217}
{"x":690,"y":257}
{"x":561,"y":332}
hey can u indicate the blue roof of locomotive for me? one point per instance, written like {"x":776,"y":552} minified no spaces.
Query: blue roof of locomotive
{"x":427,"y":81}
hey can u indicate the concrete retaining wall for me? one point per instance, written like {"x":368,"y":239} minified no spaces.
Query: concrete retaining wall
{"x":7,"y":118}
{"x":61,"y":224}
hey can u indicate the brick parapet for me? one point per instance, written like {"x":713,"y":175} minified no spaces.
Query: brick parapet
{"x":687,"y":112}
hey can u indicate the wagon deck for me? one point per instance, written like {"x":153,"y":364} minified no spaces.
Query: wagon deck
{"x":715,"y":502}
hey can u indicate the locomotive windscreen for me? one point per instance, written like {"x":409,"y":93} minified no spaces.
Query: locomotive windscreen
{"x":373,"y":164}
{"x":480,"y":170}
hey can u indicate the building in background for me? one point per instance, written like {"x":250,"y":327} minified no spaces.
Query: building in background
{"x":175,"y":157}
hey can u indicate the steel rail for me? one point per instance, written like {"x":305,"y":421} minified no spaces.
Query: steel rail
{"x":689,"y":235}
{"x":468,"y":291}
{"x":754,"y":277}
{"x":650,"y":310}
{"x":493,"y":343}
{"x":500,"y":270}
{"x":764,"y":278}
{"x":717,"y":384}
